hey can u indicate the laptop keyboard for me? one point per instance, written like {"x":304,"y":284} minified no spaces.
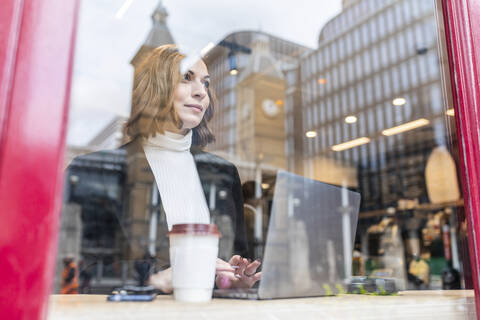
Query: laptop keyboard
{"x":249,"y":294}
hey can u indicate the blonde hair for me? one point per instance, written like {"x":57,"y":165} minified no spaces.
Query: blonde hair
{"x":155,"y":82}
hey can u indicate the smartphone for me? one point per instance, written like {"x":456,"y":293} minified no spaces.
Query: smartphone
{"x":133,"y":293}
{"x":119,"y":297}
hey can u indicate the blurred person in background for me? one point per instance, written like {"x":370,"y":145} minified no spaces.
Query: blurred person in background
{"x":69,"y":276}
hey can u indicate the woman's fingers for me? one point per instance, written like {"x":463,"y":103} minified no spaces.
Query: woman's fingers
{"x":245,"y":275}
{"x":228,"y":269}
{"x":235,"y":260}
{"x":250,"y":281}
{"x":162,"y":280}
{"x":224,"y":267}
{"x":222,"y":264}
{"x":252,"y":268}
{"x":241,"y":267}
{"x":257,"y":276}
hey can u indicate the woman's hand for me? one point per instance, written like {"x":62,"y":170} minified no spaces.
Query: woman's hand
{"x":237,"y":273}
{"x":162,"y":280}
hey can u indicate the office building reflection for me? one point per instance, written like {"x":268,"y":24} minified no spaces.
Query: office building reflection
{"x":372,"y":118}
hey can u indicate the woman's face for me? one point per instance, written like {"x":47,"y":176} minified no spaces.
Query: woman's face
{"x":190,"y":98}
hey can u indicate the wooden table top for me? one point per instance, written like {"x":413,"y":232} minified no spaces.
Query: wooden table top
{"x":436,"y":305}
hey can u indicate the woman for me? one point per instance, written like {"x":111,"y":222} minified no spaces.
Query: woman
{"x":170,"y":113}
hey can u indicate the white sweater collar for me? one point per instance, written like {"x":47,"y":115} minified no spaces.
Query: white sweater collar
{"x":170,"y":141}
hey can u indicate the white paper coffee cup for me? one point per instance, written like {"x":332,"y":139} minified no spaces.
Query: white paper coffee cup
{"x":193,"y":254}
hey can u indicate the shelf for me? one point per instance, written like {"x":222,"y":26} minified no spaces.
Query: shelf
{"x":421,"y":207}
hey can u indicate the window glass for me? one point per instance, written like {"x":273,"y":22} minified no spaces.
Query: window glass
{"x":346,"y":132}
{"x":345,"y":102}
{"x":402,"y":50}
{"x":358,"y":67}
{"x":360,"y":96}
{"x":372,"y":27}
{"x":351,"y":70}
{"x":378,"y":87}
{"x":399,"y":14}
{"x":327,"y":54}
{"x":334,"y":52}
{"x":376,"y":57}
{"x":365,"y":35}
{"x":335,"y":79}
{"x":356,"y":39}
{"x":329,"y":109}
{"x":354,"y":99}
{"x":395,"y":76}
{"x":433,"y":65}
{"x":336,"y":106}
{"x":342,"y":74}
{"x":384,"y":54}
{"x":386,"y":84}
{"x":341,"y":48}
{"x":404,"y":78}
{"x":323,"y":118}
{"x":314,"y":64}
{"x":369,"y":86}
{"x":320,"y":61}
{"x":390,"y":20}
{"x":338,"y":133}
{"x":412,"y":63}
{"x":381,"y":20}
{"x":349,"y":43}
{"x":366,"y":61}
{"x":436,"y":103}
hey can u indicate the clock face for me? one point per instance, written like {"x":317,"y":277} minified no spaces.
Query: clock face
{"x":270,"y":108}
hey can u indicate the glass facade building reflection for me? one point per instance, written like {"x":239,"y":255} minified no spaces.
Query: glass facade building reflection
{"x":368,"y":56}
{"x":372,"y":104}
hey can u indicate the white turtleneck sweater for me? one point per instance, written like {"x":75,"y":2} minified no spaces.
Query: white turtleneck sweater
{"x":177,"y":178}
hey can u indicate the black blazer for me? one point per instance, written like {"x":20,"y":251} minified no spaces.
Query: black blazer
{"x":216,"y":175}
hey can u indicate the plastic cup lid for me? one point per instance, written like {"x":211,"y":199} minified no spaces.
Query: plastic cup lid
{"x":195,"y":229}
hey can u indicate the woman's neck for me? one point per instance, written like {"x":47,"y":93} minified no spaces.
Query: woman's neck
{"x":171,"y":127}
{"x":169,"y":141}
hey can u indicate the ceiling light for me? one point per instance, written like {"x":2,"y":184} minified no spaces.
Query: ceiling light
{"x":123,"y":9}
{"x":322,"y":81}
{"x":450,"y":112}
{"x":207,"y":48}
{"x":265,"y":186}
{"x":233,"y":63}
{"x":351,"y":144}
{"x":405,"y":127}
{"x":350,"y":119}
{"x":399,"y":101}
{"x":311,"y":134}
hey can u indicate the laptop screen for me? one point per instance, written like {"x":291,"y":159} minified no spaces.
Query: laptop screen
{"x":310,"y":238}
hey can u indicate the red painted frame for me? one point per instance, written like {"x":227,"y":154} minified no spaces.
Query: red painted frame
{"x":36,"y":56}
{"x":462,"y":32}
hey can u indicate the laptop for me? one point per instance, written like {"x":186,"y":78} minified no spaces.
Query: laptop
{"x":309,"y":242}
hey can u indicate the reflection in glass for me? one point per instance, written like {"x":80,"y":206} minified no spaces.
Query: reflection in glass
{"x":371,"y":53}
